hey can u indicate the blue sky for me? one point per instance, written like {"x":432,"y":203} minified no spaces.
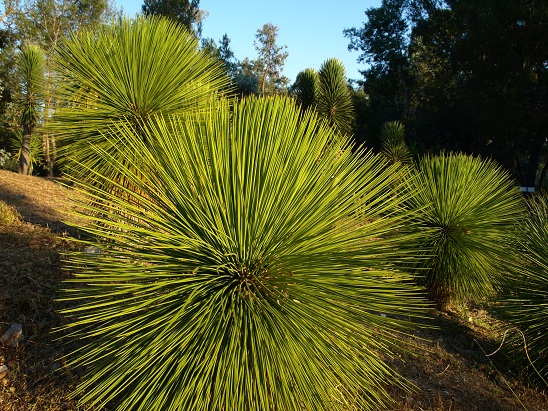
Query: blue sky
{"x":311,"y":30}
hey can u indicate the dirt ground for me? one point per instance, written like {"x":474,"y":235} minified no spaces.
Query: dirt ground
{"x":449,"y":365}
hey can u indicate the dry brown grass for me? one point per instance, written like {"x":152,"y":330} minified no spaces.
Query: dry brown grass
{"x":449,"y":368}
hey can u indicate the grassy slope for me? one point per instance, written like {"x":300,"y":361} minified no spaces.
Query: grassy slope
{"x":449,"y":368}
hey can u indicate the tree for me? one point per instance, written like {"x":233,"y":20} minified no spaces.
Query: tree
{"x":328,"y":93}
{"x":223,"y":52}
{"x":184,"y":12}
{"x":334,"y":101}
{"x":246,"y":80}
{"x":269,"y":64}
{"x":503,"y":56}
{"x":305,"y":88}
{"x":31,"y":65}
{"x":256,"y":275}
{"x":10,"y":88}
{"x":243,"y":75}
{"x":46,"y":22}
{"x":462,"y":75}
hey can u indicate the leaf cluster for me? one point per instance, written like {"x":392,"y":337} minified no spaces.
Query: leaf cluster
{"x":394,"y":147}
{"x":328,"y":93}
{"x":525,"y":301}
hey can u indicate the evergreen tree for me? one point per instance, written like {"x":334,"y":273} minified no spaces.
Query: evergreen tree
{"x":185,"y":12}
{"x":269,"y":64}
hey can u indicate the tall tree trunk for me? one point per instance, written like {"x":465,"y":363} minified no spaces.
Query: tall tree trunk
{"x":53,"y":154}
{"x":24,"y":157}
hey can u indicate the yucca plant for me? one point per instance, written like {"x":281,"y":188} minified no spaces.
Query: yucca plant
{"x":394,"y":147}
{"x":334,"y":101}
{"x":525,"y":302}
{"x":31,"y":63}
{"x":468,"y":208}
{"x":305,"y":88}
{"x":255,"y":273}
{"x":126,"y":73}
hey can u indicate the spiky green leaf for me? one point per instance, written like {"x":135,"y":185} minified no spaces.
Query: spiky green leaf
{"x":525,"y":302}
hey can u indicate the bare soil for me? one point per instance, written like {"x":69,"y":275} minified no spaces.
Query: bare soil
{"x":448,"y":365}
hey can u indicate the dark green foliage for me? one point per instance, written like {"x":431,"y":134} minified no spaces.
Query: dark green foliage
{"x":467,"y":210}
{"x":305,"y":88}
{"x":463,"y":75}
{"x":394,"y":147}
{"x":334,"y":101}
{"x":185,"y":12}
{"x":526,"y":301}
{"x":9,"y":88}
{"x":255,"y":274}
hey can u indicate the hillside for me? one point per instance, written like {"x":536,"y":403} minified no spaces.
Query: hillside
{"x":449,"y":366}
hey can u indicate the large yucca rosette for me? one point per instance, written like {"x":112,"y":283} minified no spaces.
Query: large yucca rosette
{"x":255,"y":271}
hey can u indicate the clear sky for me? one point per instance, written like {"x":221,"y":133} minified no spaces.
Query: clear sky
{"x":311,"y":30}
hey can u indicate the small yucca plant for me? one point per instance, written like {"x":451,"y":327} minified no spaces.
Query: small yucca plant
{"x":526,"y":301}
{"x":467,"y":209}
{"x":255,"y":274}
{"x":394,"y":147}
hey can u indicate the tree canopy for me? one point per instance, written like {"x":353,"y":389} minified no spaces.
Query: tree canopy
{"x":462,"y":75}
{"x":270,"y":61}
{"x":185,"y":12}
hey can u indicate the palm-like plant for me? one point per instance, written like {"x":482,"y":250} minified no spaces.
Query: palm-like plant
{"x":305,"y":88}
{"x":34,"y":153}
{"x":254,"y":274}
{"x":468,"y":208}
{"x":526,"y":301}
{"x":334,"y":101}
{"x":31,"y":68}
{"x":394,"y":147}
{"x":125,"y":74}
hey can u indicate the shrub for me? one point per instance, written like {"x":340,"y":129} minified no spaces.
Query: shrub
{"x":394,"y":147}
{"x":255,"y":274}
{"x":525,"y":303}
{"x":467,"y":209}
{"x":7,"y":161}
